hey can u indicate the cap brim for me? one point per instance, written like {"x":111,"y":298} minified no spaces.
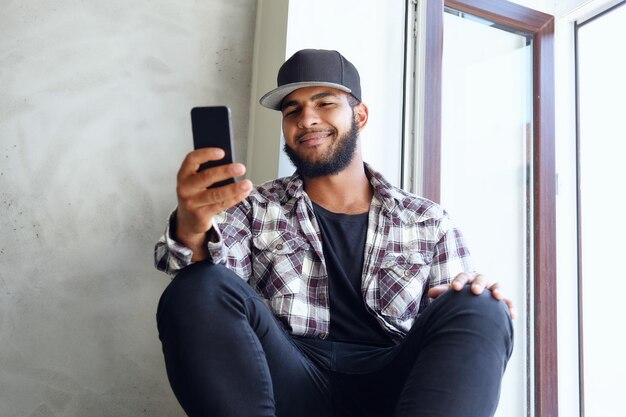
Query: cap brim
{"x":274,"y":98}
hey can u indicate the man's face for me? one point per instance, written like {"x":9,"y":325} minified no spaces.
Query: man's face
{"x":320,"y":130}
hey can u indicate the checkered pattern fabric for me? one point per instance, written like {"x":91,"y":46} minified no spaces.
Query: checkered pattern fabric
{"x":273,"y":241}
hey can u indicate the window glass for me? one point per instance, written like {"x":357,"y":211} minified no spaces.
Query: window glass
{"x":485,"y":167}
{"x":602,"y":178}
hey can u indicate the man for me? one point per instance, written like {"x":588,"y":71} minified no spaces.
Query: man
{"x":312,"y":295}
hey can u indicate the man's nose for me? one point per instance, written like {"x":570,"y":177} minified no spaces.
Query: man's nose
{"x":308,"y":117}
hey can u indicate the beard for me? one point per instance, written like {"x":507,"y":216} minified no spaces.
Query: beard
{"x":335,"y":160}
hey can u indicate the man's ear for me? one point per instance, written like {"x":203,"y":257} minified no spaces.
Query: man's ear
{"x":361,"y":113}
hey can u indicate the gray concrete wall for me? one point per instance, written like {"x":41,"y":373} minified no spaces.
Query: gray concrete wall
{"x":94,"y":122}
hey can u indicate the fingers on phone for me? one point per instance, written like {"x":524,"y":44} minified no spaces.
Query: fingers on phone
{"x":194,"y":159}
{"x":228,"y":195}
{"x":202,"y":155}
{"x":211,"y":176}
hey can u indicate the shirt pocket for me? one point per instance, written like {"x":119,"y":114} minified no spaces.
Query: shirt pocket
{"x":401,"y":281}
{"x":277,"y":261}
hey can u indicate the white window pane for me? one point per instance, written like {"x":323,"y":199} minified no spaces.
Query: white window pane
{"x":484,"y":173}
{"x":602,"y":135}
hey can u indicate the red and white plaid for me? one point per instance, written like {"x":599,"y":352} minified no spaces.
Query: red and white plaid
{"x":273,"y":241}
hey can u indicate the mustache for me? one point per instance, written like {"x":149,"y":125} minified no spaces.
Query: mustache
{"x":307,"y":131}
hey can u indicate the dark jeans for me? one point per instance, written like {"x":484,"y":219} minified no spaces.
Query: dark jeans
{"x":227,"y":355}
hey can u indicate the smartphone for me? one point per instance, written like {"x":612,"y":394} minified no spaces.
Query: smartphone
{"x":211,"y":128}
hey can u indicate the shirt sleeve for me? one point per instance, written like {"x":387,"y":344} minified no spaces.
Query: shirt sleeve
{"x":451,"y":255}
{"x":228,"y":243}
{"x":171,"y":256}
{"x":231,"y":244}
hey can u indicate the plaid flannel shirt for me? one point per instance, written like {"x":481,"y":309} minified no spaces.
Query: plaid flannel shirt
{"x":273,"y":241}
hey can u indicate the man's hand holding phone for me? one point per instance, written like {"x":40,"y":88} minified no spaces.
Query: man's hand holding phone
{"x":198,"y":203}
{"x":205,"y":183}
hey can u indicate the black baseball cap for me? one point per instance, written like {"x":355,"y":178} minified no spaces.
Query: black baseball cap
{"x":312,"y":68}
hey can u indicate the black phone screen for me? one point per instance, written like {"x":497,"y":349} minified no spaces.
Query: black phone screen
{"x":211,"y":128}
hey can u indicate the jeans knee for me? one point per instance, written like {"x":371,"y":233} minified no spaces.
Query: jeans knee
{"x":481,"y":311}
{"x":492,"y":315}
{"x":202,"y":279}
{"x":486,"y":305}
{"x":196,"y":288}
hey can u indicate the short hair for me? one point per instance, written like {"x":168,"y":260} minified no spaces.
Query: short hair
{"x":353,"y":101}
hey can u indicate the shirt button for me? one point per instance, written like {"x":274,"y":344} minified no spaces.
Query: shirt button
{"x":407,"y":273}
{"x":279,"y":246}
{"x":322,"y":336}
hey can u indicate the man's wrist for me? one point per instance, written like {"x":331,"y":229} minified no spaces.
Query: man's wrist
{"x":196,"y":242}
{"x":198,"y":245}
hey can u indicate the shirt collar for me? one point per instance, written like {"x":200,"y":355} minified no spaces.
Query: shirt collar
{"x":294,"y":188}
{"x":383,"y":190}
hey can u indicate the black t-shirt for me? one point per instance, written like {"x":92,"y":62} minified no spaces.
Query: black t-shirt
{"x":343,"y":241}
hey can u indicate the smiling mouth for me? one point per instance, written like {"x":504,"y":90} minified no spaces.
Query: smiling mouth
{"x":315,"y":136}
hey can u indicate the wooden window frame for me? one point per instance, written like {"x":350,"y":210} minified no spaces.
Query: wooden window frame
{"x":540,"y":27}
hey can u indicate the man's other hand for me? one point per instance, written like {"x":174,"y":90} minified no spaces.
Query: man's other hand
{"x":477,"y":285}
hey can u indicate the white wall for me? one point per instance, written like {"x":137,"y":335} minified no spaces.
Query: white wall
{"x":94,"y":122}
{"x":554,"y":7}
{"x":269,"y":53}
